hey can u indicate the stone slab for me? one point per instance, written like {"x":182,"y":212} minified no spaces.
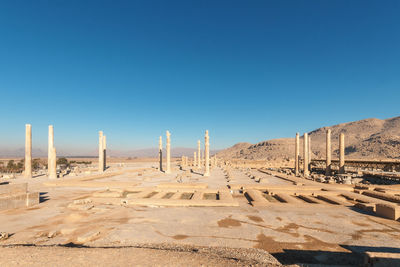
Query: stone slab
{"x":19,"y":200}
{"x":8,"y":189}
{"x":183,"y":185}
{"x":381,"y":259}
{"x":257,"y":198}
{"x":388,"y":211}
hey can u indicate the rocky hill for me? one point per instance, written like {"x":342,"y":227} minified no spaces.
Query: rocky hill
{"x":369,"y":138}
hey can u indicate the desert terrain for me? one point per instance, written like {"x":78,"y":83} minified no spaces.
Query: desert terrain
{"x":143,"y":216}
{"x":365,"y":139}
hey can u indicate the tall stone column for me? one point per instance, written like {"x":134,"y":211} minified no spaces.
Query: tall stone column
{"x":341,"y":154}
{"x":194,"y":159}
{"x":160,"y":152}
{"x":207,"y":153}
{"x":198,"y":155}
{"x":105,"y":152}
{"x":101,"y":152}
{"x":328,"y":170}
{"x":305,"y":156}
{"x":28,"y":151}
{"x":168,"y":169}
{"x":297,"y":154}
{"x":53,"y":164}
{"x":309,"y":153}
{"x":49,"y":147}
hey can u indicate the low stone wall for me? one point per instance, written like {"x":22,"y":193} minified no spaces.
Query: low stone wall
{"x":16,"y":196}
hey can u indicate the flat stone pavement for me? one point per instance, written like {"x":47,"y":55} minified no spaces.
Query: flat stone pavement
{"x":313,"y":233}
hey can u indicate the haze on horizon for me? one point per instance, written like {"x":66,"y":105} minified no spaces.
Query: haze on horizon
{"x":246,"y":71}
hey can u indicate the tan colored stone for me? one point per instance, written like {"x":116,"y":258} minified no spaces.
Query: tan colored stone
{"x":305,"y":156}
{"x":168,"y":169}
{"x":328,"y":170}
{"x":207,"y":154}
{"x":52,"y":167}
{"x":388,"y":211}
{"x":341,"y":154}
{"x":28,"y":151}
{"x":297,"y":154}
{"x":101,"y":152}
{"x":198,"y":155}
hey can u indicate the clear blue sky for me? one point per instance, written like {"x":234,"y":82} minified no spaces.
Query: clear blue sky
{"x":244,"y":70}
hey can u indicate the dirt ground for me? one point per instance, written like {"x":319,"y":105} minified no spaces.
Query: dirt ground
{"x":109,"y":234}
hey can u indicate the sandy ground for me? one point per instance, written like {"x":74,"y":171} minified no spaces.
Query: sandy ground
{"x":131,"y":256}
{"x":310,"y":233}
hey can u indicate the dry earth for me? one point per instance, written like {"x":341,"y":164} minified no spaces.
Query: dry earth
{"x":369,"y":138}
{"x":114,"y":234}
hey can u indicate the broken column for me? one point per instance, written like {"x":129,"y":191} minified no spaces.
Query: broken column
{"x":194,"y":159}
{"x":297,"y":154}
{"x":198,"y":155}
{"x":328,"y":170}
{"x":52,"y":167}
{"x":49,"y":147}
{"x":305,"y":155}
{"x":28,"y":151}
{"x":160,"y":152}
{"x":101,"y":152}
{"x":341,"y":154}
{"x":207,"y":153}
{"x":168,"y":169}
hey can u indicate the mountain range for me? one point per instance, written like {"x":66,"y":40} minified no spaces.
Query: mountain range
{"x":365,"y":139}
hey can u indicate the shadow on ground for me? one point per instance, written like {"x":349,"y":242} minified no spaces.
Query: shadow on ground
{"x":355,"y":256}
{"x":43,"y":197}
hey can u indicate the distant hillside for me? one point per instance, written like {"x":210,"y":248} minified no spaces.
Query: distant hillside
{"x":369,"y":138}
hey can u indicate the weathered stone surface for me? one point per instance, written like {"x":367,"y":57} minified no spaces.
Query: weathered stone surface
{"x":13,"y":188}
{"x":168,"y":148}
{"x":381,"y":259}
{"x":89,"y":236}
{"x":32,"y":198}
{"x":388,"y":211}
{"x":28,"y":151}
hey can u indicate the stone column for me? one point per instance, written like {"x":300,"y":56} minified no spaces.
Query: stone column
{"x":198,"y":155}
{"x":309,"y":153}
{"x":328,"y":170}
{"x":341,"y":154}
{"x":49,"y":147}
{"x":305,"y":155}
{"x":194,"y":159}
{"x":297,"y":154}
{"x":168,"y":169}
{"x":28,"y":151}
{"x":160,"y":152}
{"x":101,"y":152}
{"x":53,"y":164}
{"x":207,"y":153}
{"x":183,"y":161}
{"x":105,"y":152}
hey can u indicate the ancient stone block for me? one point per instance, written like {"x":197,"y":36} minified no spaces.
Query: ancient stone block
{"x":388,"y":211}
